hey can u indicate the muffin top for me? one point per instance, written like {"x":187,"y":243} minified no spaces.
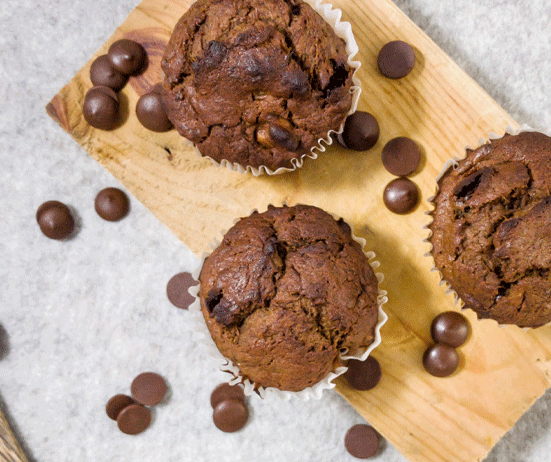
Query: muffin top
{"x":255,"y":82}
{"x":491,"y":233}
{"x":285,"y":292}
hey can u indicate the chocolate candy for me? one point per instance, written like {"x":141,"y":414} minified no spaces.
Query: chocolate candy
{"x":450,"y":328}
{"x":148,"y":388}
{"x":224,"y":392}
{"x":112,"y":204}
{"x":151,"y":112}
{"x":401,"y":156}
{"x":127,"y":56}
{"x":396,"y":59}
{"x":134,"y":419}
{"x":401,"y":195}
{"x":230,"y":415}
{"x":55,"y":220}
{"x":363,"y":375}
{"x":362,"y":441}
{"x":361,"y":132}
{"x":177,"y":290}
{"x":116,"y":404}
{"x":103,"y":73}
{"x":440,"y":360}
{"x":101,"y":108}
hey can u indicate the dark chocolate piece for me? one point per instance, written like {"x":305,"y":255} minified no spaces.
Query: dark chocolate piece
{"x":103,"y":73}
{"x":151,"y":112}
{"x":401,"y":156}
{"x":177,"y":290}
{"x":101,"y":108}
{"x":440,"y":360}
{"x":401,"y":196}
{"x":116,"y":404}
{"x":363,"y":375}
{"x":361,"y":131}
{"x":450,"y":328}
{"x":148,"y":388}
{"x":134,"y":419}
{"x":225,"y":391}
{"x":112,"y":204}
{"x":127,"y":56}
{"x":362,"y":441}
{"x":396,"y":59}
{"x":55,"y":220}
{"x":230,"y":415}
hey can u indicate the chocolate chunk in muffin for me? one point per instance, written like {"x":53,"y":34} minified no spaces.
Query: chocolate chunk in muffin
{"x":285,"y":292}
{"x":491,"y":233}
{"x":257,"y":83}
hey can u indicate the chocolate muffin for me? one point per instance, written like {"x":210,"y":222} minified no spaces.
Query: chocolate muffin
{"x":285,"y":293}
{"x":254,"y":82}
{"x":491,"y":233}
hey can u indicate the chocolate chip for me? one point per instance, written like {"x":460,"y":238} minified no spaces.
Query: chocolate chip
{"x":362,"y":441}
{"x":134,"y":419}
{"x":177,"y":290}
{"x":401,"y":195}
{"x":116,"y":404}
{"x":112,"y":204}
{"x":151,"y":113}
{"x":440,"y":360}
{"x":230,"y":415}
{"x":100,"y":108}
{"x":363,"y":375}
{"x":401,"y":156}
{"x":282,"y":134}
{"x":224,"y":392}
{"x":148,"y":388}
{"x":127,"y":56}
{"x":396,"y":59}
{"x":468,"y":185}
{"x":361,"y":131}
{"x":55,"y":220}
{"x":103,"y":73}
{"x":450,"y":328}
{"x":296,"y":81}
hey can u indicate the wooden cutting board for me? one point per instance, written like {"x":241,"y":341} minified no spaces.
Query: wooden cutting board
{"x":10,"y":451}
{"x":502,"y":371}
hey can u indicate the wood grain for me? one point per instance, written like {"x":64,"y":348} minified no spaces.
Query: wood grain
{"x":10,"y":451}
{"x":503,"y":370}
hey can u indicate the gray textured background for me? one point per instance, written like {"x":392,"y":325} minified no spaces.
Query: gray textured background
{"x":80,"y":319}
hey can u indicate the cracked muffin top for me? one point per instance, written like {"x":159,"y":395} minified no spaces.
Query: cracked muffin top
{"x":491,"y":233}
{"x":285,"y":293}
{"x":255,"y":82}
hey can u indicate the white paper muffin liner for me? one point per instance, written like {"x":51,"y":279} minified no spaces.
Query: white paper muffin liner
{"x":454,"y":163}
{"x":342,"y":29}
{"x":202,"y":335}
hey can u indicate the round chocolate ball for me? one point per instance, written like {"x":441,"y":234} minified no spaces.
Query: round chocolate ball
{"x":103,"y":73}
{"x":112,"y":204}
{"x":127,"y":56}
{"x":148,"y":388}
{"x":362,"y":441}
{"x":401,"y":156}
{"x":224,"y":392}
{"x":134,"y":419}
{"x":401,"y":196}
{"x":440,"y":360}
{"x":450,"y":328}
{"x":396,"y":59}
{"x":101,"y":108}
{"x":151,"y":112}
{"x":230,"y":415}
{"x":55,"y":220}
{"x":361,"y":132}
{"x":363,"y":375}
